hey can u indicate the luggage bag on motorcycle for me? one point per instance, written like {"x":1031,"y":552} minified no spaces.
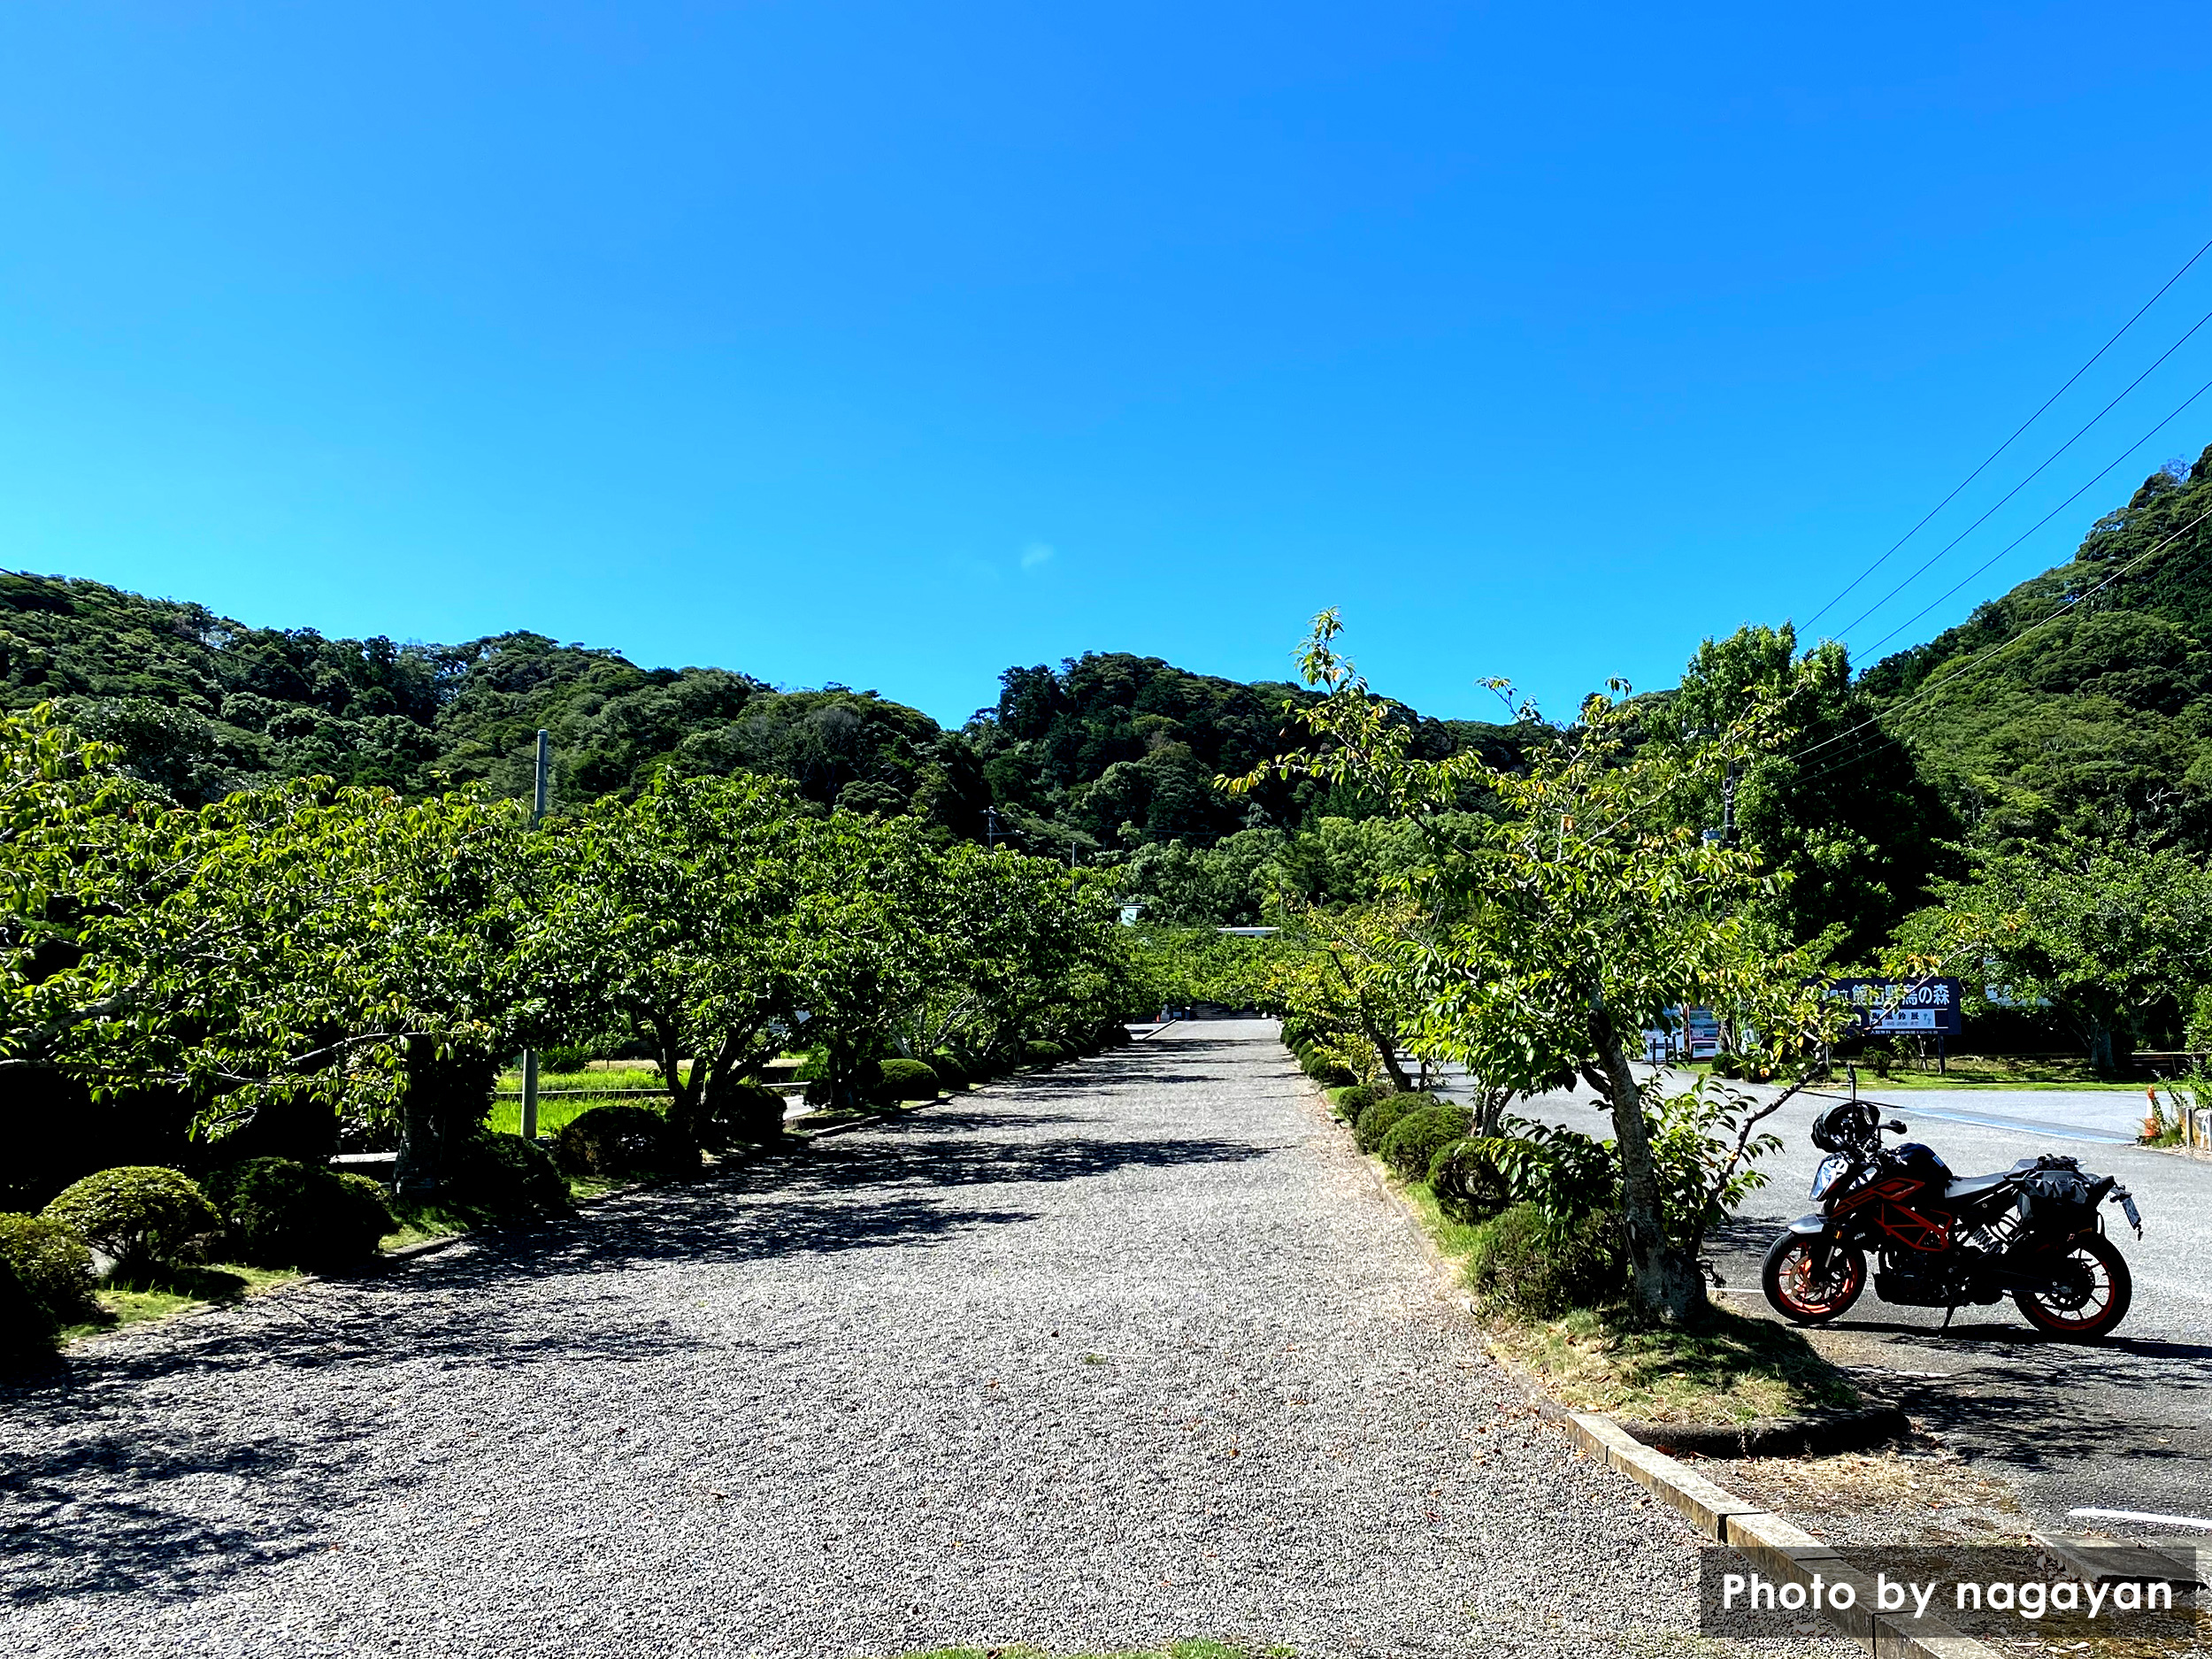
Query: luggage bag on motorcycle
{"x":2056,"y":1200}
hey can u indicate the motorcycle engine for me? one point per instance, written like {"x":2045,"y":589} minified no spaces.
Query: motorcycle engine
{"x":1916,"y":1280}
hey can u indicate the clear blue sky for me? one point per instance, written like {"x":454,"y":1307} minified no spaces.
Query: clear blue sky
{"x":893,"y":345}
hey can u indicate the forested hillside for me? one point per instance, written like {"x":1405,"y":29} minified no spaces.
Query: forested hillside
{"x":1104,"y":753}
{"x":2099,"y":721}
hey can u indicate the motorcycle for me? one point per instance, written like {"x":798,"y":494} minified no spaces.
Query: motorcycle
{"x":1937,"y":1239}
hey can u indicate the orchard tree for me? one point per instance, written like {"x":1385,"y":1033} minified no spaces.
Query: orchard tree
{"x":1561,"y":909}
{"x":2110,"y":934}
{"x":678,"y":914}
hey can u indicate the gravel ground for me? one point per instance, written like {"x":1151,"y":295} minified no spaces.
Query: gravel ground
{"x":1100,"y":1357}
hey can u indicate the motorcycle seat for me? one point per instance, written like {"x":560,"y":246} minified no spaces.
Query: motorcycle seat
{"x":1974,"y":1186}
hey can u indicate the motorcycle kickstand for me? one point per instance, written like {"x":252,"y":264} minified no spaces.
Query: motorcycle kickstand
{"x":1947,"y":1312}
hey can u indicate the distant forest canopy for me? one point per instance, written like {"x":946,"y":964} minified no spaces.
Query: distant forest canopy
{"x":1107,"y":753}
{"x":2098,"y":726}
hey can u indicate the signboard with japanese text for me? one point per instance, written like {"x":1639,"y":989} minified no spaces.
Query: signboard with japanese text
{"x":1927,"y":1006}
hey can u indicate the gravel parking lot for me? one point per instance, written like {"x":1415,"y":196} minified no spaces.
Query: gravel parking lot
{"x":1127,"y":1351}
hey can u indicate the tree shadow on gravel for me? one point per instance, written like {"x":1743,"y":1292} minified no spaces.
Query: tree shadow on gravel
{"x":115,"y":1516}
{"x":102,"y":1494}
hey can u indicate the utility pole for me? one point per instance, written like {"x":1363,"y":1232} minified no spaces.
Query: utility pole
{"x":530,"y":1055}
{"x":990,"y":828}
{"x":1728,"y":803}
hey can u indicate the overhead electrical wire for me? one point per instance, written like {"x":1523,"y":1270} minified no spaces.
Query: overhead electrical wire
{"x":1951,"y":679}
{"x":1929,"y":563}
{"x":2094,"y":358}
{"x":2040,"y":523}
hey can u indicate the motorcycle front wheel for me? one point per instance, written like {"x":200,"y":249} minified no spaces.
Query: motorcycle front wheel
{"x":1796,"y":1293}
{"x":2086,"y":1308}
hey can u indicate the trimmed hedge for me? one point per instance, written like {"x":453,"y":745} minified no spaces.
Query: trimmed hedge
{"x":906,"y":1080}
{"x":1521,"y":1261}
{"x":1349,"y":1103}
{"x":1039,"y":1051}
{"x":279,"y":1213}
{"x":951,"y":1073}
{"x":504,"y":1175}
{"x":612,"y":1140}
{"x":749,"y":1112}
{"x":1469,"y":1186}
{"x":1414,"y":1140}
{"x":142,"y":1214}
{"x":52,"y":1263}
{"x":1382,"y":1117}
{"x":27,"y":1330}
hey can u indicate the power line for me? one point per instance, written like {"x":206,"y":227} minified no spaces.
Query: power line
{"x":2008,"y":443}
{"x":2040,"y":523}
{"x":1930,"y":564}
{"x":1951,"y":679}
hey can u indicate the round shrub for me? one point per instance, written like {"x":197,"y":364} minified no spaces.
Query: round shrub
{"x":1520,"y":1260}
{"x":142,"y":1215}
{"x":567,"y":1059}
{"x":951,"y":1074}
{"x":503,"y":1175}
{"x":906,"y":1080}
{"x":1469,"y":1186}
{"x":1380,"y":1117}
{"x":52,"y":1263}
{"x":1350,"y":1102}
{"x":1415,"y":1139}
{"x":612,"y":1140}
{"x":279,"y":1213}
{"x":1039,"y":1052}
{"x":27,"y":1330}
{"x":747,"y":1112}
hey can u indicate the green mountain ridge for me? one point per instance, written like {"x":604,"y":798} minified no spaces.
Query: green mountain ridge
{"x":2079,"y":702}
{"x":1107,"y":752}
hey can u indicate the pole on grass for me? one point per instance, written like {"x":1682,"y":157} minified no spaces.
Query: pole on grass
{"x":530,"y":1055}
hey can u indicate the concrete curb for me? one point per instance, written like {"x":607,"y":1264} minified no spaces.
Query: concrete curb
{"x":1778,"y":1548}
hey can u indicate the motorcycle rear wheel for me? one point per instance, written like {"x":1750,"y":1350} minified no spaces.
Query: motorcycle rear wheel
{"x":1787,"y":1276}
{"x":2093,"y":1318}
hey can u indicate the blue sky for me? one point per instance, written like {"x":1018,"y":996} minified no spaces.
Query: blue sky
{"x":893,"y":345}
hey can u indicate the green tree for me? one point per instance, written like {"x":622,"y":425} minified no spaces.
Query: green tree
{"x":1570,"y":913}
{"x":1828,"y":801}
{"x":2112,"y":934}
{"x":678,"y":917}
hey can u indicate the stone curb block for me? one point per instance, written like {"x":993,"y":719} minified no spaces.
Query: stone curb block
{"x":1776,"y":1548}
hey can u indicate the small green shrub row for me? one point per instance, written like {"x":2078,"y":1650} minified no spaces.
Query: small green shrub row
{"x":1520,"y":1258}
{"x":279,"y":1213}
{"x":1523,"y":1261}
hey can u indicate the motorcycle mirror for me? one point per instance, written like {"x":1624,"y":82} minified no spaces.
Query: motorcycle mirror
{"x":1895,"y":1126}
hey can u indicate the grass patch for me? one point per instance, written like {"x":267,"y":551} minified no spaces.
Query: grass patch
{"x":1729,"y":1369}
{"x":161,"y":1295}
{"x":555,"y":1114}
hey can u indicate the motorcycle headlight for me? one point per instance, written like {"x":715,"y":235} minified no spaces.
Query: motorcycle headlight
{"x":1828,"y":1174}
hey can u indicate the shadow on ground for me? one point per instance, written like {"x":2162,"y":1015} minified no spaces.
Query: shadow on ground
{"x":88,"y":1509}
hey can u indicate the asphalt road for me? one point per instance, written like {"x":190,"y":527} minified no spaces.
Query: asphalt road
{"x":2124,"y":1426}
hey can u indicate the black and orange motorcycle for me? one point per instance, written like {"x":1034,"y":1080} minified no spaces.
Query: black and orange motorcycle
{"x":1936,"y":1240}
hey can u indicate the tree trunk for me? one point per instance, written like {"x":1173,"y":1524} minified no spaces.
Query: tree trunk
{"x":1665,"y":1277}
{"x":1388,"y":1050}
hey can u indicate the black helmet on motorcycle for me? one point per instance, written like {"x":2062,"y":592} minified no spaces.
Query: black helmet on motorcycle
{"x":1841,"y":1128}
